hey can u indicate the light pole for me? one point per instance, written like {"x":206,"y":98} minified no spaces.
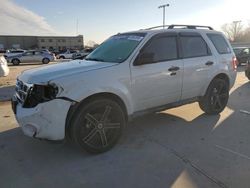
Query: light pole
{"x":164,"y":12}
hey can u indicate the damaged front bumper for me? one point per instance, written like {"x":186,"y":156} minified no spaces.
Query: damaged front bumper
{"x":45,"y":121}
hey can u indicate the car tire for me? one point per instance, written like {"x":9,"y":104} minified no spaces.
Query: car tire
{"x":15,"y":61}
{"x":216,"y":97}
{"x":61,"y":57}
{"x":45,"y":61}
{"x":98,"y":125}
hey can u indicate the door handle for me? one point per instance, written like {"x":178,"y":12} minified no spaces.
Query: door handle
{"x":172,"y":69}
{"x":209,"y":63}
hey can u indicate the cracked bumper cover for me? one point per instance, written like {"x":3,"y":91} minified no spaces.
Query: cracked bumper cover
{"x":46,"y":120}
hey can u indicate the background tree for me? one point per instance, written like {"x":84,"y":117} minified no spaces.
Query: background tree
{"x":234,"y":31}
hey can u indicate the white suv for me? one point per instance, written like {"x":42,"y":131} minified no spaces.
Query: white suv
{"x":89,"y":101}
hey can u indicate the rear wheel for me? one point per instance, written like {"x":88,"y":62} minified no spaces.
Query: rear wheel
{"x":46,"y":61}
{"x":61,"y":57}
{"x":15,"y":61}
{"x":98,"y":125}
{"x":216,"y":97}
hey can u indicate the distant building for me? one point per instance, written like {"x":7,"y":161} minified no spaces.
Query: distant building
{"x":41,"y":42}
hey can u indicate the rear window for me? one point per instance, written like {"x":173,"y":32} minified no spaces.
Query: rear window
{"x":194,"y":46}
{"x":220,"y":43}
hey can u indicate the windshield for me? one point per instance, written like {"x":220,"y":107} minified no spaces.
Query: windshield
{"x":117,"y":48}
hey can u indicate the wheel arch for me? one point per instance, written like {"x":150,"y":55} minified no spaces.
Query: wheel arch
{"x":75,"y":106}
{"x":222,"y":76}
{"x":15,"y":58}
{"x":45,"y":58}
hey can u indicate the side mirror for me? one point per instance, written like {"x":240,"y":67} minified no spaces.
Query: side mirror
{"x":144,"y":58}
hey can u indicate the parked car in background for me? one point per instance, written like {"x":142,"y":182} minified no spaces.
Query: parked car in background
{"x":247,"y":71}
{"x":66,"y":55}
{"x":4,"y":70}
{"x":47,"y":51}
{"x":13,"y":52}
{"x":242,"y":54}
{"x":31,"y":57}
{"x":82,"y":54}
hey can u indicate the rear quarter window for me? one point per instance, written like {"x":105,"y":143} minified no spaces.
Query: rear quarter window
{"x":219,"y":43}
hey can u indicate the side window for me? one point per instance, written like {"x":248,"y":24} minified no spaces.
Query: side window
{"x":220,"y":43}
{"x":38,"y":53}
{"x":194,"y":46}
{"x":162,"y":48}
{"x":28,"y":53}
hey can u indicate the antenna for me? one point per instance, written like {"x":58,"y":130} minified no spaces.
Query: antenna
{"x":164,"y":12}
{"x":77,"y":26}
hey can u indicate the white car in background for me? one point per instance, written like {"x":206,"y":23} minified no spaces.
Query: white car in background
{"x":82,"y":54}
{"x":66,"y":55}
{"x":4,"y":69}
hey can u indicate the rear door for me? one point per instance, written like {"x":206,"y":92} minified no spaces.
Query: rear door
{"x":198,"y":62}
{"x":27,"y":57}
{"x":158,"y":81}
{"x":38,"y":57}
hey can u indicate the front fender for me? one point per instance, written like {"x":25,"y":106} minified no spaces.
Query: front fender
{"x":112,"y":80}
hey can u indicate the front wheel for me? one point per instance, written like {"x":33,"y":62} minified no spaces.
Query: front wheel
{"x":46,"y":61}
{"x":15,"y":61}
{"x":98,"y":125}
{"x":216,"y":97}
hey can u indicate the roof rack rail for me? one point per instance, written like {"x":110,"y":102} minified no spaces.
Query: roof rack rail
{"x":160,"y":26}
{"x":180,"y":26}
{"x":190,"y":26}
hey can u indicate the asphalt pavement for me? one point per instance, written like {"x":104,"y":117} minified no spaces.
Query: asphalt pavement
{"x":177,"y":148}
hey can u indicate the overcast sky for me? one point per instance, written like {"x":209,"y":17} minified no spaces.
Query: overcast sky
{"x":98,"y":19}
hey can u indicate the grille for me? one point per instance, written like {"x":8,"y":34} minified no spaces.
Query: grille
{"x":22,"y":91}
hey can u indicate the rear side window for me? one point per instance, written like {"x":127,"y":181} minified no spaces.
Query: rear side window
{"x":38,"y":53}
{"x":163,"y":48}
{"x":194,"y":46}
{"x":220,"y":43}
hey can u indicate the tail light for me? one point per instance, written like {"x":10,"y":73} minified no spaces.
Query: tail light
{"x":234,"y":63}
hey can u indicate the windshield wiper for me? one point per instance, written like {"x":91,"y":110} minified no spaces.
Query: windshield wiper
{"x":94,"y":59}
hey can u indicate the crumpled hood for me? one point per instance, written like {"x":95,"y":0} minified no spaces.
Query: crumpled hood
{"x":51,"y":72}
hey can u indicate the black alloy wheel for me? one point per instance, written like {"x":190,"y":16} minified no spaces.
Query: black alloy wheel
{"x":216,"y":97}
{"x":98,"y":125}
{"x":15,"y":61}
